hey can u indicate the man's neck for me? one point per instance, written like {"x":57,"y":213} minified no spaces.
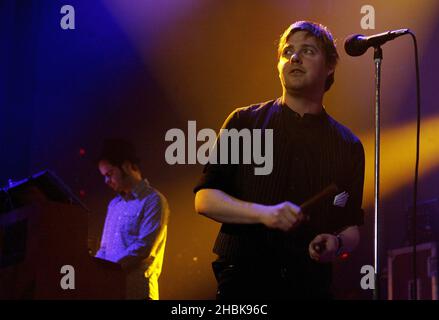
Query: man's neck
{"x":303,"y":104}
{"x":133,"y":183}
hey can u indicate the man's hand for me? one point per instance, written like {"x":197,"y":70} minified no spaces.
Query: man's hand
{"x":284,"y":216}
{"x":323,"y":248}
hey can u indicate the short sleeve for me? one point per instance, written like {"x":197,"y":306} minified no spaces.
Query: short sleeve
{"x":217,"y":175}
{"x":354,"y":212}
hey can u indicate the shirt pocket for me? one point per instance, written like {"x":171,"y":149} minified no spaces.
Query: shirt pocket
{"x":131,"y":221}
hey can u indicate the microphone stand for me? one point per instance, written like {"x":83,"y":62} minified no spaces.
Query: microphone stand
{"x":356,"y":45}
{"x":378,"y":57}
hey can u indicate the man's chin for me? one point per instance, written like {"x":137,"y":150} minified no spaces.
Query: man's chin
{"x":296,"y":89}
{"x":296,"y":84}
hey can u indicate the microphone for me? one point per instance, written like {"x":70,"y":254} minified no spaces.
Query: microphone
{"x":357,"y":44}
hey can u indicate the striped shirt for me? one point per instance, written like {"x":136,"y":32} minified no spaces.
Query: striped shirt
{"x":309,"y":153}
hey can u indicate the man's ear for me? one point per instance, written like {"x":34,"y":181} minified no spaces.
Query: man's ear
{"x":129,"y":168}
{"x":135,"y":167}
{"x":126,"y":167}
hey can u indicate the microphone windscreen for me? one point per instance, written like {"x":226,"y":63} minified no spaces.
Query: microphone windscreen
{"x":354,"y":45}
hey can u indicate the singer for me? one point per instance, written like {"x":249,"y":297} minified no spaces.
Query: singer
{"x":268,"y":247}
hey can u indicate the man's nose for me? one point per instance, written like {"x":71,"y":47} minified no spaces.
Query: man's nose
{"x":107,"y":180}
{"x":295,"y":58}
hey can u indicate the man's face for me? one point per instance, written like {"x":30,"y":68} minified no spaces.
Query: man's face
{"x":302,"y":64}
{"x":114,"y":177}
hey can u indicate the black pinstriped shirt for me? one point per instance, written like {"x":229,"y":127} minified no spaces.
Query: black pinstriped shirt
{"x":309,"y":153}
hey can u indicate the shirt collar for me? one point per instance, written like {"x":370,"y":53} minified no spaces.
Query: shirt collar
{"x":139,"y":191}
{"x":307,"y":117}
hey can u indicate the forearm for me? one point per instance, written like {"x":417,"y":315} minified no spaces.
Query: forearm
{"x":140,"y":249}
{"x":351,"y":238}
{"x":133,"y":255}
{"x":129,"y":260}
{"x":221,"y":207}
{"x":100,"y":254}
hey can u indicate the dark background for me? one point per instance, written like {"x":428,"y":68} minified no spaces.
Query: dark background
{"x":136,"y":69}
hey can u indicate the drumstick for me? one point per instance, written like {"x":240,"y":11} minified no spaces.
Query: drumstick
{"x":329,"y":191}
